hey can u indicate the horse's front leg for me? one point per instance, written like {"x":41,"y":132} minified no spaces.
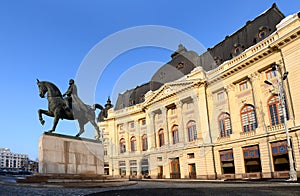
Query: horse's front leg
{"x":46,"y":112}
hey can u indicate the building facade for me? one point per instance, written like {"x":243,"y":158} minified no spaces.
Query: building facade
{"x":12,"y":161}
{"x":219,"y":119}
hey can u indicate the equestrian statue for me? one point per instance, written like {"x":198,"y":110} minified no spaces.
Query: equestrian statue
{"x":70,"y":108}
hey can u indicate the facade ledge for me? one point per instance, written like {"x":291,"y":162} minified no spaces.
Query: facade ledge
{"x":275,"y":128}
{"x":223,"y":139}
{"x":248,"y":133}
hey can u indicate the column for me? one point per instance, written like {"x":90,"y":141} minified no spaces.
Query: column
{"x":138,"y":135}
{"x":181,"y":126}
{"x":203,"y":110}
{"x":197,"y":116}
{"x":151,"y":135}
{"x":164,"y":112}
{"x":258,"y":101}
{"x":234,"y":110}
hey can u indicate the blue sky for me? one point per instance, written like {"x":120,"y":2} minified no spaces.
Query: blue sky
{"x":50,"y":39}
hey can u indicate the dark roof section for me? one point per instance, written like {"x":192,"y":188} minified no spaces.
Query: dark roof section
{"x":132,"y":96}
{"x":184,"y":61}
{"x":253,"y":32}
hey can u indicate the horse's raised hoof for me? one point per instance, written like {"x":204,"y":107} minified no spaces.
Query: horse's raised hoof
{"x":42,"y":122}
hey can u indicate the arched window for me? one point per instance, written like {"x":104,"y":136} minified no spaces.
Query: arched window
{"x":248,"y":118}
{"x":122,"y":145}
{"x":144,"y":142}
{"x":192,"y":132}
{"x":161,"y":137}
{"x":275,"y":111}
{"x":133,"y":144}
{"x":224,"y":125}
{"x":175,"y":134}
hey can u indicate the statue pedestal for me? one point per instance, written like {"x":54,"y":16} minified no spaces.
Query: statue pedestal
{"x":62,"y":154}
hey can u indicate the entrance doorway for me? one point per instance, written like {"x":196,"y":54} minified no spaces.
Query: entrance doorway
{"x":175,"y":168}
{"x":192,"y":171}
{"x":160,"y":172}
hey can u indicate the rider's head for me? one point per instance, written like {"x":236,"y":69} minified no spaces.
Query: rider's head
{"x":71,"y":82}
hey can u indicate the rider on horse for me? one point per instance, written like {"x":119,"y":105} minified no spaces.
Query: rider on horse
{"x":72,"y":90}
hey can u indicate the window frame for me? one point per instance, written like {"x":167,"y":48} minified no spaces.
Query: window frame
{"x":144,"y":142}
{"x":175,"y":134}
{"x":133,"y":144}
{"x":192,"y":130}
{"x":161,"y":138}
{"x":122,"y":143}
{"x":250,"y":115}
{"x":243,"y":86}
{"x":223,"y":124}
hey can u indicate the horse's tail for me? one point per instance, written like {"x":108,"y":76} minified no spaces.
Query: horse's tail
{"x":97,"y":106}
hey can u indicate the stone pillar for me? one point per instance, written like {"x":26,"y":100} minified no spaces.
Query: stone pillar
{"x":203,"y":118}
{"x":258,"y":100}
{"x":234,"y":110}
{"x":151,"y":132}
{"x":164,"y":112}
{"x":266,"y":159}
{"x":181,"y":129}
{"x":138,"y":136}
{"x":238,"y":162}
{"x":197,"y":116}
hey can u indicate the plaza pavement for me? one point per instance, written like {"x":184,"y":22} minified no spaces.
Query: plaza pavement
{"x":154,"y":187}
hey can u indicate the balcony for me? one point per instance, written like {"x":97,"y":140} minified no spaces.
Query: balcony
{"x":223,"y":139}
{"x":248,"y":133}
{"x":275,"y":128}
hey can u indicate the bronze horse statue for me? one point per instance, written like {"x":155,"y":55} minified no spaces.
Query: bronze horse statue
{"x":58,"y":108}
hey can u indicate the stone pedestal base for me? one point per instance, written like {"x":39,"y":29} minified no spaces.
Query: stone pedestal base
{"x":61,"y":154}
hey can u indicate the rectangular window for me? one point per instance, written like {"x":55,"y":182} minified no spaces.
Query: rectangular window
{"x":191,"y":155}
{"x":172,"y":111}
{"x":122,"y":163}
{"x":189,"y":105}
{"x":220,"y":96}
{"x":159,"y":159}
{"x":270,"y":74}
{"x":131,"y":125}
{"x":143,"y":122}
{"x":159,"y":116}
{"x":243,"y":86}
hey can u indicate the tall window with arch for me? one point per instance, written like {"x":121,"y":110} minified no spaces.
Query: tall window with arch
{"x":122,"y":145}
{"x":224,"y":124}
{"x":248,"y":118}
{"x":161,"y":138}
{"x":275,"y":111}
{"x":192,"y":131}
{"x":133,"y":144}
{"x":144,"y":143}
{"x":175,"y":134}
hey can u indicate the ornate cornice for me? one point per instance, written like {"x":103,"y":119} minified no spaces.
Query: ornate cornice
{"x":172,"y":89}
{"x":255,"y":53}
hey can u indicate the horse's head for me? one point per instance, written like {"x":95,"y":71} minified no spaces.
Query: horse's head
{"x":42,"y":88}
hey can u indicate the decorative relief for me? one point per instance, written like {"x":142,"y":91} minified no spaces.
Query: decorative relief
{"x":230,"y":87}
{"x":254,"y":76}
{"x":244,"y":94}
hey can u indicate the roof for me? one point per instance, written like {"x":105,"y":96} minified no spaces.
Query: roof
{"x":184,"y":61}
